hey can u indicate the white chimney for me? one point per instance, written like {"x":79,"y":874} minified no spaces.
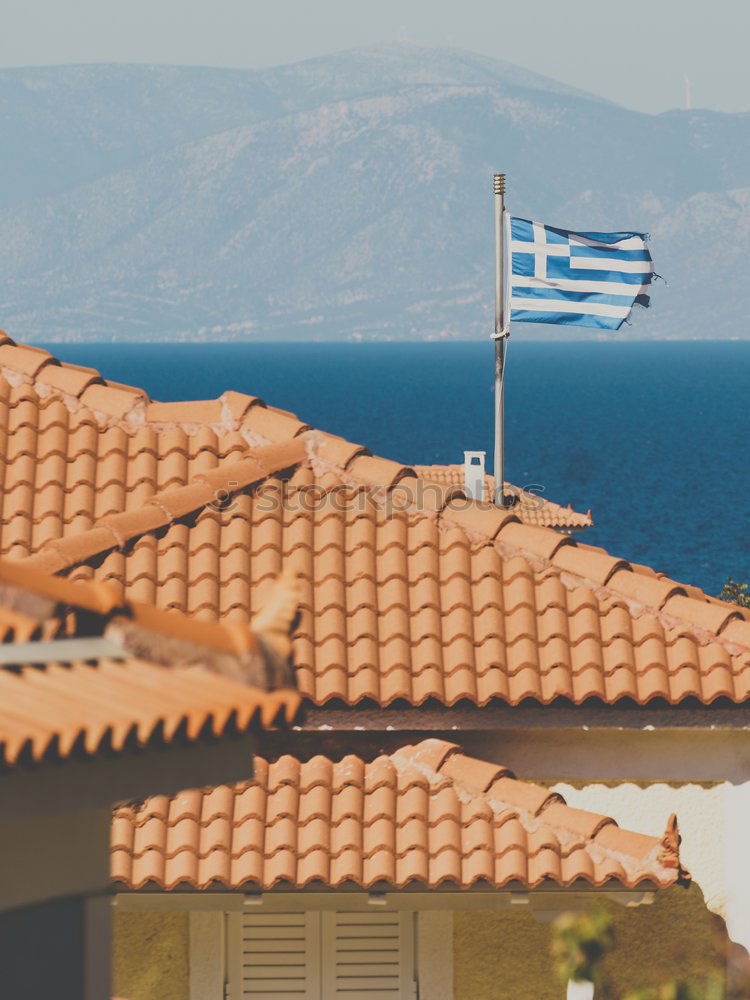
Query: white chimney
{"x":474,"y":474}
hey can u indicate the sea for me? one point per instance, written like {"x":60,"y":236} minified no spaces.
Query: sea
{"x":653,"y":437}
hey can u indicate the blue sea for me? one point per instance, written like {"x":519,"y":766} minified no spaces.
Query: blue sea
{"x":653,"y":437}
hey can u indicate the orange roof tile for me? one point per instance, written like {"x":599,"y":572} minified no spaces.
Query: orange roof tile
{"x":33,"y":602}
{"x":80,"y":697}
{"x":113,"y":703}
{"x":530,"y":507}
{"x":425,"y":815}
{"x":81,"y":447}
{"x":410,"y":591}
{"x":407,"y":606}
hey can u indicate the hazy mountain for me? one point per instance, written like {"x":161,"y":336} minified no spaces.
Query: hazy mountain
{"x":346,"y":196}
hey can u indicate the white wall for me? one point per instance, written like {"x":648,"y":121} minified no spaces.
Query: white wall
{"x":645,"y":809}
{"x":737,"y":861}
{"x":639,"y":777}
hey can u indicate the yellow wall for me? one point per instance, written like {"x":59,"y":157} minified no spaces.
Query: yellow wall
{"x":507,"y":955}
{"x":151,"y":956}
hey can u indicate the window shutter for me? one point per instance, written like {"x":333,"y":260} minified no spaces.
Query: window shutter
{"x":367,"y":956}
{"x":279,"y":956}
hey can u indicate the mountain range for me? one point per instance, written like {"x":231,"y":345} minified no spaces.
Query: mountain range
{"x":344,"y":197}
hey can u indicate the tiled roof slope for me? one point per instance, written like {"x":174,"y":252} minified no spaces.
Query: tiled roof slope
{"x":426,"y":815}
{"x":56,"y":699}
{"x":65,"y":467}
{"x":409,"y":591}
{"x":400,"y":605}
{"x":75,"y":448}
{"x":531,"y":508}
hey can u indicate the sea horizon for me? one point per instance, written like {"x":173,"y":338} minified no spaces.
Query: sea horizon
{"x":638,"y":435}
{"x":542,"y":338}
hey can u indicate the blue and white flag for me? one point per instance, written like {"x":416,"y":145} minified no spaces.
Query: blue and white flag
{"x":576,"y":279}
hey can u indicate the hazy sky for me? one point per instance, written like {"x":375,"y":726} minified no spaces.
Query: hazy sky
{"x":637,"y":53}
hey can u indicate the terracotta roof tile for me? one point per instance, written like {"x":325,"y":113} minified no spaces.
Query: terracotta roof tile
{"x":644,"y":589}
{"x":738,"y":630}
{"x":703,"y":614}
{"x":407,"y":595}
{"x":52,"y":708}
{"x":584,"y":562}
{"x":374,"y":471}
{"x":113,"y":402}
{"x":24,"y":359}
{"x":272,"y":424}
{"x":481,"y":518}
{"x":338,"y":451}
{"x":425,"y":815}
{"x":113,"y":703}
{"x":208,"y":411}
{"x":71,"y":380}
{"x":536,"y":541}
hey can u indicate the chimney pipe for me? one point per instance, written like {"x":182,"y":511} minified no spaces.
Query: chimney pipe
{"x":474,"y":474}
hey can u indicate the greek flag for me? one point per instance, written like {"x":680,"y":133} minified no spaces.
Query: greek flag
{"x":576,"y":279}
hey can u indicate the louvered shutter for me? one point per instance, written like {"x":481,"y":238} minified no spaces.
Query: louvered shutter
{"x":367,"y":956}
{"x":278,"y":957}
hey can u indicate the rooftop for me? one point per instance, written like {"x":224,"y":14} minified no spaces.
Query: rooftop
{"x":426,"y":815}
{"x":409,"y":591}
{"x":84,"y":671}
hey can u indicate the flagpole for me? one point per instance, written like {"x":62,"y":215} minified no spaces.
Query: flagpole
{"x":500,"y":338}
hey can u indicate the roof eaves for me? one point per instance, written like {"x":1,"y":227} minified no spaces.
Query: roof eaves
{"x":145,"y":710}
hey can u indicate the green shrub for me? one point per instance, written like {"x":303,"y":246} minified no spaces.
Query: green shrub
{"x":735,"y":593}
{"x":579,"y":943}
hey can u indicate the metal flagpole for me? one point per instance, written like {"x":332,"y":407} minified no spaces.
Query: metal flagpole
{"x":500,"y":336}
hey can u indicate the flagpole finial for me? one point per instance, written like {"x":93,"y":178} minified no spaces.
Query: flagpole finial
{"x":499,"y":183}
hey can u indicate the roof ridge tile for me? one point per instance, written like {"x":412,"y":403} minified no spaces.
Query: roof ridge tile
{"x":378,"y":472}
{"x":645,"y":590}
{"x":711,"y":618}
{"x":580,"y":560}
{"x":24,"y":359}
{"x":236,"y":404}
{"x":482,"y":519}
{"x":528,"y":538}
{"x":70,"y":380}
{"x":122,"y":403}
